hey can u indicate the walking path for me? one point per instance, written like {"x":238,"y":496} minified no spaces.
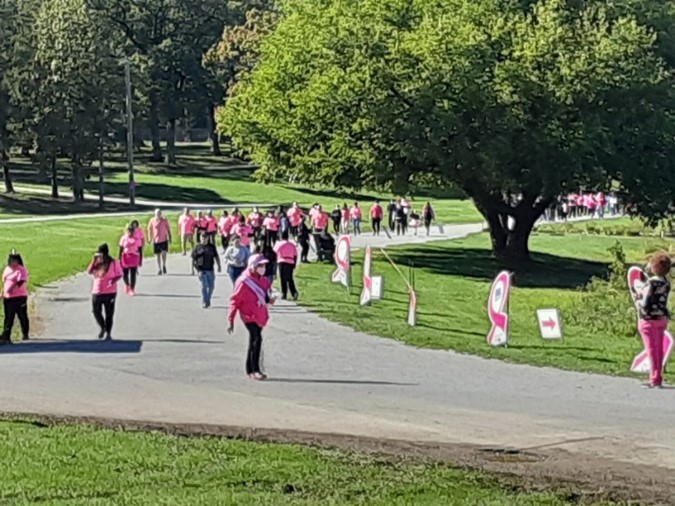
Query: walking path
{"x":174,"y":362}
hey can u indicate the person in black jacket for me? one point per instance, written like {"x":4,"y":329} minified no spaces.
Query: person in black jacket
{"x":303,"y":240}
{"x":336,"y":218}
{"x":204,"y":256}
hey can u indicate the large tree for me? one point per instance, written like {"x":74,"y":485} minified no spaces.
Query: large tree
{"x":515,"y":102}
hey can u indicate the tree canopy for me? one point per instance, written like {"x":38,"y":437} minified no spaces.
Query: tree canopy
{"x":514,"y":102}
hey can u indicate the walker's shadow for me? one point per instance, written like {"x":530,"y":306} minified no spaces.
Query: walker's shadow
{"x":167,"y":295}
{"x":340,"y":382}
{"x":75,"y":346}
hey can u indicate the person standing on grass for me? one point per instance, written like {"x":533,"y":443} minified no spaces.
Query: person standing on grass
{"x":130,"y":259}
{"x":287,"y":259}
{"x":15,"y":298}
{"x":107,"y":273}
{"x":250,"y":299}
{"x":303,"y":240}
{"x":236,"y":258}
{"x":204,"y":258}
{"x":344,"y":219}
{"x":320,"y":221}
{"x":159,"y":233}
{"x":271,"y":225}
{"x":186,"y":230}
{"x":376,"y":213}
{"x":428,"y":215}
{"x":356,"y":216}
{"x":652,"y":304}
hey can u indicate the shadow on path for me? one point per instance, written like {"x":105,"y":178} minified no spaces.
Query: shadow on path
{"x":339,"y":382}
{"x":73,"y":346}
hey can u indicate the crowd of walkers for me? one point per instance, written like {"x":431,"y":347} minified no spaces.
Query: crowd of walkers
{"x":255,"y":248}
{"x":583,"y":205}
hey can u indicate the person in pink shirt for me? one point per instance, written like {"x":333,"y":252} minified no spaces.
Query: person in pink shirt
{"x":244,"y":232}
{"x":356,"y":216}
{"x":250,"y":299}
{"x":15,"y":298}
{"x":271,"y":228}
{"x":294,"y":215}
{"x":186,"y":230}
{"x":255,"y":221}
{"x":319,"y":221}
{"x":130,"y":259}
{"x":211,"y":226}
{"x":376,"y":213}
{"x":107,"y":273}
{"x":344,"y":224}
{"x":140,"y":237}
{"x":287,"y":259}
{"x":159,"y":232}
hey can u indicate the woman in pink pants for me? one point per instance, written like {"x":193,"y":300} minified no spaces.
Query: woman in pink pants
{"x":654,"y":315}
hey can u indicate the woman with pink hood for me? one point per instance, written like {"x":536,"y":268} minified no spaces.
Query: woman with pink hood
{"x":250,"y":300}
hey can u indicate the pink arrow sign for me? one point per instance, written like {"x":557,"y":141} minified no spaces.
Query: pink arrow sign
{"x":550,"y":323}
{"x":641,"y":363}
{"x":497,"y":304}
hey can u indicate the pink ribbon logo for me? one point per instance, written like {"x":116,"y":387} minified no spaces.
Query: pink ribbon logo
{"x":343,"y":260}
{"x":641,"y":363}
{"x":497,"y":304}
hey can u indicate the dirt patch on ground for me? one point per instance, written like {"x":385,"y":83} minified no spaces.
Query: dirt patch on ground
{"x":582,"y":479}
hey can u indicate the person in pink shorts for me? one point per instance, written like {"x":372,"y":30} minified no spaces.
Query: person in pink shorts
{"x":130,"y":259}
{"x":106,"y":272}
{"x":15,"y":298}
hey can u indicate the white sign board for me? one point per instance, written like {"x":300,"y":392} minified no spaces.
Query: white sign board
{"x":549,"y":324}
{"x":376,"y":290}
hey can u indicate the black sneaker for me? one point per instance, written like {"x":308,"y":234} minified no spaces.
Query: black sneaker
{"x":25,"y":338}
{"x":101,"y":334}
{"x":164,"y":270}
{"x":295,"y":297}
{"x":108,"y":336}
{"x":159,"y":272}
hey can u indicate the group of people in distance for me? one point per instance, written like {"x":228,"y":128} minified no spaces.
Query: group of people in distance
{"x":583,"y":205}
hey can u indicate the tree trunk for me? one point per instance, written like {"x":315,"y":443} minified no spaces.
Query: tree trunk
{"x":154,"y":132}
{"x":54,"y":179}
{"x":25,"y":150}
{"x":213,"y":131}
{"x":78,"y":186}
{"x":171,"y":142}
{"x":4,"y":158}
{"x":101,"y":185}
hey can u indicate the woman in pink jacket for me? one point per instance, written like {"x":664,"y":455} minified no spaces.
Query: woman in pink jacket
{"x":15,"y":298}
{"x":106,"y":272}
{"x":130,"y":259}
{"x":250,"y":300}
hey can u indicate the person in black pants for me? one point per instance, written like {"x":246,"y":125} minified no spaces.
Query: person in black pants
{"x":303,"y":240}
{"x":106,"y":272}
{"x":15,"y":298}
{"x":336,"y":218}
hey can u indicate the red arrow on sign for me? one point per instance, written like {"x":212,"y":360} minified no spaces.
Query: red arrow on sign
{"x":550,"y":323}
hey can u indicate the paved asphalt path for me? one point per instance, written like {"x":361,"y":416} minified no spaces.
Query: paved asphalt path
{"x":172,"y":361}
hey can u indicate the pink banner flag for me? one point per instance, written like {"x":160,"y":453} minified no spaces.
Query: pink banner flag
{"x":498,"y":310}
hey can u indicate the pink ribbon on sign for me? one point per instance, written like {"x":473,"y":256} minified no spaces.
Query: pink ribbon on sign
{"x":499,"y":295}
{"x":342,"y":259}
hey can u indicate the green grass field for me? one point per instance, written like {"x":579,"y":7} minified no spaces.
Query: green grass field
{"x":203,"y":178}
{"x":82,"y":465}
{"x":453,"y":282}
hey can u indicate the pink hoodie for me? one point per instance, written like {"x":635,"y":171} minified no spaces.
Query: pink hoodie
{"x":10,"y":278}
{"x":105,"y":282}
{"x":247,"y":302}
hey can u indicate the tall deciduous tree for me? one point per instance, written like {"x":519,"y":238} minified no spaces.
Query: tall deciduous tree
{"x":79,"y":85}
{"x":514,"y":102}
{"x":7,"y":13}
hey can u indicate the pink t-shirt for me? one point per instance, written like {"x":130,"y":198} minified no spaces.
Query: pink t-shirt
{"x":286,"y":252}
{"x":211,"y":224}
{"x":243,"y":231}
{"x":376,"y":211}
{"x":255,"y":220}
{"x":105,"y":283}
{"x":10,"y":278}
{"x":131,"y":254}
{"x":356,"y":213}
{"x":320,"y":221}
{"x":294,"y":215}
{"x":186,"y":224}
{"x":140,"y":235}
{"x":345,"y":214}
{"x":271,"y":223}
{"x":313,"y":212}
{"x":158,"y":230}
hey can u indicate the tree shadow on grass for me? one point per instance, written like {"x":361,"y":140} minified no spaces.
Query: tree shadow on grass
{"x":165,"y":192}
{"x":39,"y":205}
{"x":543,"y":271}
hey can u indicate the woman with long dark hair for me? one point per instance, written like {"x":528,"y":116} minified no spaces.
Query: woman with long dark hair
{"x":107,"y":273}
{"x":130,"y":259}
{"x":15,"y":297}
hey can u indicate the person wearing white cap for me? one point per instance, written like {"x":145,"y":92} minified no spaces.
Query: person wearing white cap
{"x":250,"y":299}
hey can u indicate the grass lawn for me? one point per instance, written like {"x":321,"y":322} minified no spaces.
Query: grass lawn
{"x":203,"y":178}
{"x":453,"y":281}
{"x":61,"y":465}
{"x":630,"y":227}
